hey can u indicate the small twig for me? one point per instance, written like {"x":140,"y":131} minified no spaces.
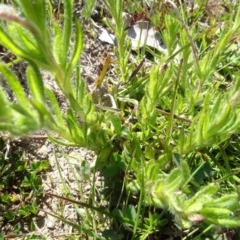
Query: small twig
{"x":12,"y":235}
{"x":37,"y":136}
{"x":134,"y":73}
{"x":174,"y":116}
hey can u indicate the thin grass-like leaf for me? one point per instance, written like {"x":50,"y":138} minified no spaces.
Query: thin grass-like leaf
{"x":33,"y":11}
{"x":57,"y":45}
{"x":229,"y":201}
{"x":9,"y":43}
{"x":75,"y":55}
{"x":55,"y":107}
{"x":5,"y":110}
{"x":89,"y":6}
{"x":76,"y":107}
{"x":22,"y":110}
{"x":219,"y":123}
{"x":173,"y":180}
{"x":67,"y":30}
{"x":231,"y":223}
{"x":76,"y":226}
{"x":36,"y":83}
{"x":15,"y":86}
{"x":89,"y":206}
{"x":45,"y":117}
{"x":74,"y":129}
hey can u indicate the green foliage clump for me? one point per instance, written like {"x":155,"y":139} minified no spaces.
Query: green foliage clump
{"x":20,"y":187}
{"x":168,"y":149}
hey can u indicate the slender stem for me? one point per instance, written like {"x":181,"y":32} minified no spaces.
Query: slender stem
{"x":194,"y":49}
{"x":174,"y":116}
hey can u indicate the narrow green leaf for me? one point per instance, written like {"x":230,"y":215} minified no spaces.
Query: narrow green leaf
{"x":229,"y":201}
{"x":36,"y":83}
{"x":103,"y":156}
{"x":70,"y":142}
{"x":15,"y":86}
{"x":90,"y":109}
{"x":75,"y":131}
{"x":25,"y":40}
{"x":116,"y":122}
{"x":57,"y":45}
{"x":43,"y":112}
{"x":55,"y":107}
{"x":35,"y":47}
{"x":89,"y":6}
{"x":75,"y":55}
{"x":11,"y":44}
{"x":152,"y":89}
{"x":67,"y":29}
{"x":80,"y":87}
{"x":5,"y":110}
{"x":78,"y":227}
{"x":231,"y":125}
{"x":24,"y":125}
{"x":22,"y":110}
{"x":75,"y":106}
{"x":185,"y":173}
{"x":216,"y":106}
{"x":210,"y":189}
{"x":152,"y":170}
{"x":222,"y":119}
{"x":234,"y":223}
{"x":34,"y":12}
{"x":215,"y":212}
{"x":97,"y":209}
{"x":78,"y":47}
{"x":173,"y":180}
{"x":200,"y":138}
{"x":195,"y":203}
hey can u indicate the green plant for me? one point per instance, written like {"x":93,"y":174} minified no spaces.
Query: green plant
{"x":123,"y":49}
{"x":89,"y":6}
{"x":20,"y":186}
{"x":164,"y":148}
